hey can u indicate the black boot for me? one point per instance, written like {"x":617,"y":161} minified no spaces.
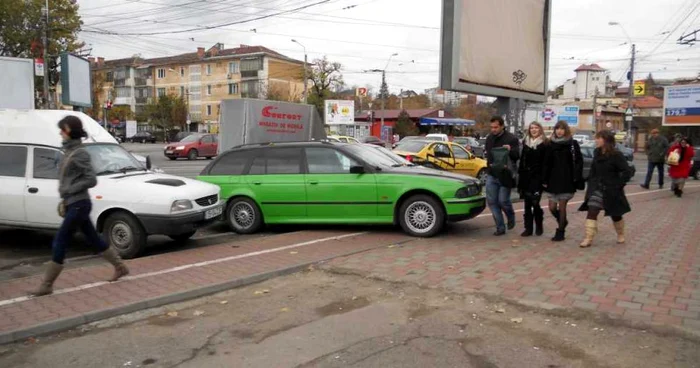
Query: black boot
{"x":539,"y":219}
{"x":680,"y":193}
{"x":555,"y":213}
{"x":527,"y":219}
{"x":560,"y":235}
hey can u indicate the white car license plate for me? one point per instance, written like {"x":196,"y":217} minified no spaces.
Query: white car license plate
{"x":168,"y":152}
{"x":214,"y":212}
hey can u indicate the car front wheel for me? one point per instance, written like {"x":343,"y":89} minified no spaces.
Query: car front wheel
{"x":244,"y":216}
{"x":192,"y":155}
{"x":421,"y":216}
{"x":124,"y":232}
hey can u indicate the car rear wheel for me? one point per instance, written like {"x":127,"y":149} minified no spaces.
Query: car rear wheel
{"x":421,"y":216}
{"x":183,"y":237}
{"x":124,"y":232}
{"x":193,"y":154}
{"x":244,"y":216}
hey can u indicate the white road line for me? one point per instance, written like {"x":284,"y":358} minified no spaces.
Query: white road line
{"x":579,"y":202}
{"x":185,"y":267}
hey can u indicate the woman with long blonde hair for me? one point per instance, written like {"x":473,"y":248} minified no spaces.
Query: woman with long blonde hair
{"x":530,"y":178}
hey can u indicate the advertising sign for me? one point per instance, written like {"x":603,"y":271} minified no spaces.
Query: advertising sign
{"x":682,"y":105}
{"x":640,"y":87}
{"x":361,"y":92}
{"x":339,"y":112}
{"x":75,"y":81}
{"x":509,"y":60}
{"x":17,"y":78}
{"x":131,"y":128}
{"x":39,"y":67}
{"x":549,"y":115}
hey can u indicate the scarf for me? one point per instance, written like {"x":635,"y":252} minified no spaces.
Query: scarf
{"x":560,"y":139}
{"x":533,"y":143}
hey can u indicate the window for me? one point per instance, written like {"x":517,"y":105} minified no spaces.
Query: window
{"x":208,"y":109}
{"x":233,"y":88}
{"x":232,"y":163}
{"x":460,"y":153}
{"x":442,"y":151}
{"x":209,"y":90}
{"x":277,"y":161}
{"x":251,"y":64}
{"x":110,"y":76}
{"x":182,"y":71}
{"x":46,"y":163}
{"x":182,"y":91}
{"x":123,"y":91}
{"x":208,"y":139}
{"x":161,"y":92}
{"x":161,"y":73}
{"x":233,"y":67}
{"x":208,"y":69}
{"x":328,"y":161}
{"x":13,"y":161}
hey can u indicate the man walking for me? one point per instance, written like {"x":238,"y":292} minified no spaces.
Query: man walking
{"x":656,"y":149}
{"x":502,"y":153}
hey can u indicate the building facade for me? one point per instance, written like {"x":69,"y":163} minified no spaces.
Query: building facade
{"x":588,"y":80}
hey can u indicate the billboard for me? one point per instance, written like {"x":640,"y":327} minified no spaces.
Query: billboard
{"x":682,"y":105}
{"x":548,"y":115}
{"x":75,"y":81}
{"x":339,"y":112}
{"x":17,"y":82}
{"x":496,"y":48}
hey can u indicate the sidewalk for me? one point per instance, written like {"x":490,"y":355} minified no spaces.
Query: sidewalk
{"x":652,"y":279}
{"x":81,"y":295}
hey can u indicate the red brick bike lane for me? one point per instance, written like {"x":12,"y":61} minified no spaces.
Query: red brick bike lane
{"x":653,"y":279}
{"x":81,"y":296}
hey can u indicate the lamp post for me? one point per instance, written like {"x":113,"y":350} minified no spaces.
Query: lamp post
{"x":305,"y":68}
{"x":630,"y":92}
{"x":382,"y":92}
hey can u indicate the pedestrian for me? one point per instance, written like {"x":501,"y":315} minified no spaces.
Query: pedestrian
{"x":656,"y":149}
{"x":530,"y":178}
{"x":75,"y":177}
{"x":681,"y":170}
{"x":609,"y":174}
{"x":563,"y":174}
{"x":502,"y":154}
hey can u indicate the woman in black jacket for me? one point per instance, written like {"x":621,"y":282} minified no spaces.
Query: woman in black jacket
{"x":606,"y":182}
{"x":530,"y":177}
{"x":563,"y":174}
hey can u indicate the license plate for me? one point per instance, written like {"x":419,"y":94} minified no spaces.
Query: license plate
{"x":214,"y":212}
{"x":168,"y":152}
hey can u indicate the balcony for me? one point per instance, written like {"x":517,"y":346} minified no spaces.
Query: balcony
{"x":143,"y":100}
{"x":142,"y":81}
{"x":249,"y":74}
{"x":124,"y":101}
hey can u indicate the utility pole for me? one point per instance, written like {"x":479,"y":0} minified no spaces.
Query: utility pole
{"x":45,"y":13}
{"x":630,"y":95}
{"x":306,"y":66}
{"x":381,"y":125}
{"x":595,"y":110}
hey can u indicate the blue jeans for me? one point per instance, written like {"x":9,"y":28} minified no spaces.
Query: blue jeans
{"x":650,"y":171}
{"x":498,"y":199}
{"x":77,"y":218}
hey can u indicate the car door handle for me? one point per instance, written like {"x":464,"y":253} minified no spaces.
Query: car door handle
{"x":33,"y":190}
{"x":257,"y":182}
{"x":313,"y":182}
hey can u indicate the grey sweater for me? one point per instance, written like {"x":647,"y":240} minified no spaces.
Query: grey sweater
{"x":76,"y":174}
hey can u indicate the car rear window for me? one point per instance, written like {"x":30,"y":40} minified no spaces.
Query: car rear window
{"x":411,"y":146}
{"x":277,"y":161}
{"x":232,"y":163}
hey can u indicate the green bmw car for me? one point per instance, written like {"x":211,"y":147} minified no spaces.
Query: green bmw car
{"x":337,"y":183}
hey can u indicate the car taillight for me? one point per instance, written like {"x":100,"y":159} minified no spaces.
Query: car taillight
{"x":409,"y":158}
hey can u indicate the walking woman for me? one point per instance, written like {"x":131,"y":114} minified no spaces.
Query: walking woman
{"x":563,"y":174}
{"x":684,"y":151}
{"x":608,"y":176}
{"x":75,"y":177}
{"x":530,"y":178}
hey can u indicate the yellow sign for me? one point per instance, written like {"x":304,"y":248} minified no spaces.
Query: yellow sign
{"x":639,"y":88}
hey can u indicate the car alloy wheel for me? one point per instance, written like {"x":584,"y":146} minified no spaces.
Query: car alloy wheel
{"x":242,"y":215}
{"x":420,"y":217}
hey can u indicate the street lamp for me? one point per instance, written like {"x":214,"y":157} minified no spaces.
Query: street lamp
{"x":630,"y":92}
{"x":305,"y":68}
{"x":383,"y":71}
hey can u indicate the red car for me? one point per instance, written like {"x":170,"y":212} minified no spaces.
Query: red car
{"x":193,"y":146}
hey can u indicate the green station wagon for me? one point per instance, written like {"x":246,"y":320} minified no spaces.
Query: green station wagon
{"x":336,"y":183}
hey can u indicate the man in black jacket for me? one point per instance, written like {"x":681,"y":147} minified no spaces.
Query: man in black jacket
{"x":501,"y":178}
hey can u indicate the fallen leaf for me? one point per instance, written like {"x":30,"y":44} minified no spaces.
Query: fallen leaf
{"x":354,"y":298}
{"x":198,"y":313}
{"x":285,"y":309}
{"x":392,"y":246}
{"x":536,"y":348}
{"x":223,"y":302}
{"x":293,"y":252}
{"x":172,"y":314}
{"x":31,"y":340}
{"x":516,"y":320}
{"x":573,"y":325}
{"x":260,"y":292}
{"x":500,"y":310}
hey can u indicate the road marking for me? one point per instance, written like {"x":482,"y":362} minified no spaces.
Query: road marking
{"x":579,"y":202}
{"x":185,"y":267}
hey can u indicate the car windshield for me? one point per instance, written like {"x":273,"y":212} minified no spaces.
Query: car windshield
{"x":191,"y":138}
{"x":112,"y":159}
{"x":398,"y":159}
{"x":411,"y":146}
{"x":372,"y":156}
{"x":434,"y":138}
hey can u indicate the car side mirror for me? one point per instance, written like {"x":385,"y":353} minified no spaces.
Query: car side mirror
{"x":357,"y":169}
{"x":149,"y":165}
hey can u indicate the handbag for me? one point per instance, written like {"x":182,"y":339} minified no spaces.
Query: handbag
{"x":673,"y":158}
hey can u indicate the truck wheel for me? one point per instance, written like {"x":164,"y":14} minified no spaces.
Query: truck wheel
{"x":182,"y":237}
{"x":192,"y":155}
{"x":421,"y":216}
{"x":244,"y":216}
{"x":124,"y":232}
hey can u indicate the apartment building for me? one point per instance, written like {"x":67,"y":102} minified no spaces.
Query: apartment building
{"x":202,"y":78}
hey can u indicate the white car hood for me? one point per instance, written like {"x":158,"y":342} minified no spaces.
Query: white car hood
{"x":154,"y":187}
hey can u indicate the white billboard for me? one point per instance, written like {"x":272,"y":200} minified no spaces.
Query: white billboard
{"x":549,"y":115}
{"x":496,"y":48}
{"x":682,"y":105}
{"x":75,"y":81}
{"x":17,"y":81}
{"x":339,"y":112}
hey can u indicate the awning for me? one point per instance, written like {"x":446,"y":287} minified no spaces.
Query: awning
{"x":445,"y":121}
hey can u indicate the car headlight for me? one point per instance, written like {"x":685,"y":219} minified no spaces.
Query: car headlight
{"x":468,"y":191}
{"x":180,"y":148}
{"x":181,"y":205}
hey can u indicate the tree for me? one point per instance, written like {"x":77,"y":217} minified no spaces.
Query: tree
{"x":22,"y":30}
{"x":404,"y":125}
{"x":325,"y":78}
{"x":167,"y":112}
{"x":121,"y":113}
{"x":98,"y":83}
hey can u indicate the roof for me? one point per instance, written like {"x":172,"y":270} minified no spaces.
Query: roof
{"x":589,"y":67}
{"x":116,"y":63}
{"x":394,"y":114}
{"x":646,"y":102}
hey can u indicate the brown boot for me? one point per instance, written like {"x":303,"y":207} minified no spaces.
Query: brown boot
{"x":52,"y":271}
{"x":120,"y":269}
{"x":620,"y":229}
{"x":591,"y":230}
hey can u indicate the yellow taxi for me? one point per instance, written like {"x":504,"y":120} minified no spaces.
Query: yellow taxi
{"x":448,"y":156}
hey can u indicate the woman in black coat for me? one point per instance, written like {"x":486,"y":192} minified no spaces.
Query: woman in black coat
{"x":530,"y":177}
{"x":606,"y":182}
{"x":563,"y":174}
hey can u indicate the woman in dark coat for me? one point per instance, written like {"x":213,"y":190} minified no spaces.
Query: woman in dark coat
{"x":606,"y":182}
{"x":563,"y":174}
{"x":530,"y":177}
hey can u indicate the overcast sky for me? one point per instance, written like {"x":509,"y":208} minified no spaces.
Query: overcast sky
{"x":362,"y":34}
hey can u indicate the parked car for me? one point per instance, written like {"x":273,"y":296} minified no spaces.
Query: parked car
{"x":587,"y":153}
{"x":628,"y":152}
{"x":332,"y":183}
{"x":437,"y":137}
{"x":695,"y":167}
{"x":448,"y":156}
{"x":390,"y":154}
{"x":193,"y":146}
{"x":143,"y":137}
{"x":581,"y":139}
{"x":344,"y":139}
{"x":130,"y":201}
{"x":471,"y":144}
{"x":373,"y":140}
{"x":407,"y":138}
